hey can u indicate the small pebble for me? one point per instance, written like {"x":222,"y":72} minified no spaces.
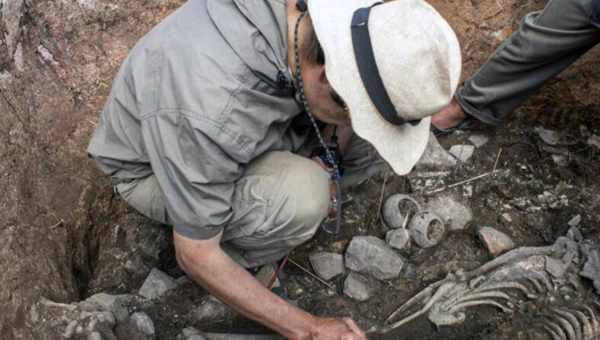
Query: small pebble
{"x":478,"y":140}
{"x":575,"y":221}
{"x":462,"y":152}
{"x":507,"y":218}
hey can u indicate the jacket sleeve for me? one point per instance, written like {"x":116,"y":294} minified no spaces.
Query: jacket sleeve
{"x":196,"y":174}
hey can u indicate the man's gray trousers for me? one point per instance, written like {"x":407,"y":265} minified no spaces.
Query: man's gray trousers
{"x":546,"y":43}
{"x":279,"y":202}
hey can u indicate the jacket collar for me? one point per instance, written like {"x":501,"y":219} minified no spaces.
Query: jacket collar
{"x":257,"y":31}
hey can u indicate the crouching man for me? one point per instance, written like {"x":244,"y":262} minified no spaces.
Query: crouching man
{"x":209,"y":118}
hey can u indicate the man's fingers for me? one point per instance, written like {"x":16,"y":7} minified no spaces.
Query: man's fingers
{"x":351,"y":336}
{"x":350,"y":323}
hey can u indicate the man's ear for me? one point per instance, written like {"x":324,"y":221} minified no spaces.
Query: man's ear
{"x":323,"y":75}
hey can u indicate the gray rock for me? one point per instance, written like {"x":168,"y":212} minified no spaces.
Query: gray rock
{"x":560,"y":160}
{"x":191,"y":333}
{"x":327,"y":265}
{"x":46,"y":56}
{"x":143,"y":323}
{"x":18,"y":58}
{"x":575,"y":221}
{"x":435,"y":157}
{"x":555,"y":267}
{"x":468,"y":191}
{"x":156,"y":284}
{"x":88,"y":4}
{"x":138,"y":327}
{"x":5,"y":78}
{"x":479,"y":140}
{"x":591,"y":268}
{"x":12,"y":12}
{"x":95,"y":336}
{"x":212,"y":310}
{"x":594,"y":141}
{"x":370,"y":255}
{"x":398,"y":238}
{"x":549,"y":137}
{"x":117,"y":304}
{"x":575,"y":234}
{"x":462,"y":152}
{"x":451,"y":210}
{"x":358,"y":287}
{"x":507,"y":218}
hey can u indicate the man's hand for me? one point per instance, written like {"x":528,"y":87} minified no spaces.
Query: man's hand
{"x":337,"y":329}
{"x":449,"y":117}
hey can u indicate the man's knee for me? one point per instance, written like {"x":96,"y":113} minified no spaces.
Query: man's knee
{"x":280,"y":202}
{"x":308,"y":191}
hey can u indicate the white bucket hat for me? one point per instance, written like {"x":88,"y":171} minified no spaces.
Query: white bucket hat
{"x":410,"y":73}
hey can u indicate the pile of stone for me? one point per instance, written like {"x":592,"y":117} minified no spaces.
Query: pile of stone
{"x":108,"y":317}
{"x":367,"y":260}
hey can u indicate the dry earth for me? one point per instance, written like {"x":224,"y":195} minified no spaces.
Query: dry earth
{"x":63,"y":235}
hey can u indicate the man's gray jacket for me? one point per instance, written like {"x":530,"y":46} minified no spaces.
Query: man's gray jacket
{"x":199,"y":97}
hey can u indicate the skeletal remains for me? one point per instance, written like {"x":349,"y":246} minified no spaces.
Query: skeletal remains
{"x":549,"y":278}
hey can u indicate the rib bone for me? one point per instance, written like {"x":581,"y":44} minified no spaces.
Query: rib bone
{"x":572,"y":320}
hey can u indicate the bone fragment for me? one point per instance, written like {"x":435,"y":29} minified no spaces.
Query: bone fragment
{"x":495,"y":242}
{"x":536,"y":284}
{"x":424,"y":295}
{"x":555,"y":336}
{"x":545,"y":280}
{"x":444,"y":288}
{"x":484,"y":295}
{"x":595,"y":324}
{"x":555,"y":327}
{"x":464,"y":305}
{"x":565,"y":325}
{"x":586,"y":324}
{"x":507,"y":285}
{"x":572,"y":320}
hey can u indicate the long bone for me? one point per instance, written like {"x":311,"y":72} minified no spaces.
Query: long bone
{"x":511,"y":256}
{"x":577,"y":326}
{"x":506,"y":285}
{"x":482,"y":296}
{"x":425,"y":294}
{"x":455,"y":294}
{"x":444,"y":288}
{"x":464,"y":305}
